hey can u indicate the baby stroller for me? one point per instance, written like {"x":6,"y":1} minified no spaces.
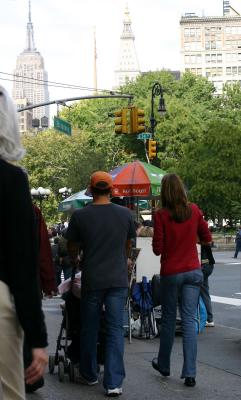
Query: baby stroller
{"x":67,"y":351}
{"x":143,"y":305}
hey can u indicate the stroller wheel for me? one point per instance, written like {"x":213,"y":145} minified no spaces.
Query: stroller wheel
{"x":61,"y":371}
{"x":66,"y":366}
{"x":71,"y":372}
{"x":51,"y":364}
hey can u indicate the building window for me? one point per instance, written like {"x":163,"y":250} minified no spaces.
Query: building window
{"x":192,"y":32}
{"x":233,"y":70}
{"x":213,"y":71}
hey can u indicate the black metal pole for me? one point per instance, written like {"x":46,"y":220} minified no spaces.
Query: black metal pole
{"x":156,"y":91}
{"x":40,"y":202}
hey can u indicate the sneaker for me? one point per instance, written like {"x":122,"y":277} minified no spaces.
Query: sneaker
{"x":114,"y":392}
{"x":84,"y":381}
{"x":210,"y":324}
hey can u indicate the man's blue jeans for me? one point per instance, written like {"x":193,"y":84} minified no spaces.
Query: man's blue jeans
{"x":185,"y":287}
{"x":92,"y":302}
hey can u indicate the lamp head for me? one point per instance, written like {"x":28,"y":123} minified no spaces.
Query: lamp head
{"x":162,"y":108}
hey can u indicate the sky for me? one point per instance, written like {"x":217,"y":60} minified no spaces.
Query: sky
{"x":63,"y":31}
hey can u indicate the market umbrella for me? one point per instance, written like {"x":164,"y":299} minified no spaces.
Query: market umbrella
{"x":137,"y":179}
{"x":76,"y":200}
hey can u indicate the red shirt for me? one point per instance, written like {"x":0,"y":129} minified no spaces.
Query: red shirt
{"x":177,"y":242}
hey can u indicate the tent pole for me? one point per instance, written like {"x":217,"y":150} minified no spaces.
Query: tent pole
{"x":137,"y":209}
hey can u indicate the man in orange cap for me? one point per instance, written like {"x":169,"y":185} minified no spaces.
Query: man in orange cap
{"x":103,"y":231}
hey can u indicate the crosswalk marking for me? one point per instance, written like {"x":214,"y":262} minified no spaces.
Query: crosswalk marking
{"x":226,"y":300}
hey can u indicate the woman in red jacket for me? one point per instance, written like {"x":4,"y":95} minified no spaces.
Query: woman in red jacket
{"x":176,"y":226}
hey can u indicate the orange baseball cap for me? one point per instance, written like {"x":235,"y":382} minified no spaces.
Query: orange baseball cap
{"x":101,"y":180}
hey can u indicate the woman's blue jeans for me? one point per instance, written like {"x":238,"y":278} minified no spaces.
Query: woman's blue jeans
{"x":185,"y":287}
{"x":114,"y":300}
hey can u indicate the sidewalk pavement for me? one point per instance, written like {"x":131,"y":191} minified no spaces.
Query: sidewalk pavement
{"x":218,"y":377}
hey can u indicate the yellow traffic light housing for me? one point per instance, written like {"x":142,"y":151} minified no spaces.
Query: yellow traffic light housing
{"x":151,"y":149}
{"x":137,"y":120}
{"x":121,"y":125}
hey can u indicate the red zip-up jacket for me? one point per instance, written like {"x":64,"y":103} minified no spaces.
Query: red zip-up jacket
{"x":46,"y":266}
{"x":177,"y":242}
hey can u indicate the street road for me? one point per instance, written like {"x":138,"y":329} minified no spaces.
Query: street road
{"x":219,"y":352}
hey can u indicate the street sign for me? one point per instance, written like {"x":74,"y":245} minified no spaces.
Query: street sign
{"x":62,"y":126}
{"x":144,"y":136}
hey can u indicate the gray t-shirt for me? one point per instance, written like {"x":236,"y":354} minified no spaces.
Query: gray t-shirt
{"x":102,"y":232}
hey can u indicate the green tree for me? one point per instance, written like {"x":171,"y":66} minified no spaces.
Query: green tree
{"x":212,"y":169}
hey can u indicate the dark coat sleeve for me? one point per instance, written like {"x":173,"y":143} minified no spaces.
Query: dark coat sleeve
{"x":21,"y":256}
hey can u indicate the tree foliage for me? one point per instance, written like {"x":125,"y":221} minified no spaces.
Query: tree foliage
{"x":199,"y":138}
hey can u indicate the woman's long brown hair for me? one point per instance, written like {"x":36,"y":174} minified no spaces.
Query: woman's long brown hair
{"x":174,"y":198}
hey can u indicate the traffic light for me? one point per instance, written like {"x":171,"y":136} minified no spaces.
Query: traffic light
{"x":137,"y":120}
{"x":151,"y":149}
{"x":121,"y":125}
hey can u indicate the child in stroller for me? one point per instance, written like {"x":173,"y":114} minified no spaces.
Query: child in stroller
{"x":68,"y":341}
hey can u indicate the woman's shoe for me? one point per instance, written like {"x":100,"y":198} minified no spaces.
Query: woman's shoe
{"x":190,"y":382}
{"x":156,"y":367}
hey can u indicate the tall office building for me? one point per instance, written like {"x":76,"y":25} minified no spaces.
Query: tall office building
{"x":127,"y":66}
{"x":30,"y":76}
{"x":211,"y":46}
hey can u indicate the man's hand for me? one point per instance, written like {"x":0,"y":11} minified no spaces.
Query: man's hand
{"x":37,"y":367}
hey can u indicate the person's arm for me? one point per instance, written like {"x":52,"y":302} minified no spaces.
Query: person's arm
{"x":157,"y":240}
{"x":130,"y":236}
{"x":204,"y":233}
{"x":128,"y":248}
{"x":36,"y":369}
{"x":73,"y":251}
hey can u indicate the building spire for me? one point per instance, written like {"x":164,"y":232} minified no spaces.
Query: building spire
{"x":127,"y":66}
{"x":127,"y":30}
{"x":30,"y":46}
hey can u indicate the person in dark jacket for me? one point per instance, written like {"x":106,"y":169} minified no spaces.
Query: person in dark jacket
{"x":47,"y":283}
{"x":20,"y":305}
{"x":207,"y":265}
{"x":238,"y":243}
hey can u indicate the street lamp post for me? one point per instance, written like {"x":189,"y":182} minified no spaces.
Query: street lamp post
{"x":40,"y":194}
{"x":157,"y":90}
{"x":65,"y":192}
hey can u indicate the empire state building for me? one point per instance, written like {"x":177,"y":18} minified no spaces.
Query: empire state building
{"x":30,"y":77}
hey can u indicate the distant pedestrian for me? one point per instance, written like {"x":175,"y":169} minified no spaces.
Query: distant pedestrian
{"x":238,"y":242}
{"x":207,"y":265}
{"x":20,"y":305}
{"x":63,"y":258}
{"x":176,"y":226}
{"x":103,"y":231}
